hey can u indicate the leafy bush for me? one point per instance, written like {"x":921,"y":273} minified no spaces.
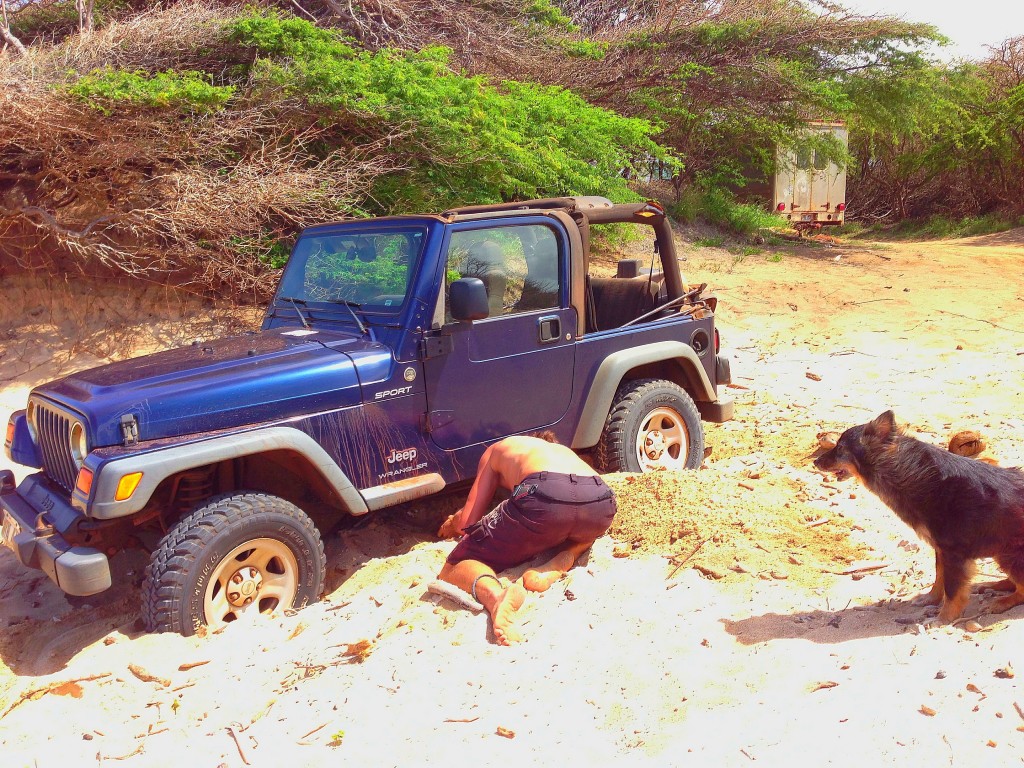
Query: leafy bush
{"x":185,"y":91}
{"x":267,"y":250}
{"x":464,"y":138}
{"x":742,"y":218}
{"x":544,"y":12}
{"x":613,"y":239}
{"x":687,"y":208}
{"x":594,"y":50}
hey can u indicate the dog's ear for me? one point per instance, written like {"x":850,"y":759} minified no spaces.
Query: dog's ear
{"x":882,"y":428}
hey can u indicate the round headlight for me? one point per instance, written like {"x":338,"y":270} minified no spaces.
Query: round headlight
{"x":79,"y":445}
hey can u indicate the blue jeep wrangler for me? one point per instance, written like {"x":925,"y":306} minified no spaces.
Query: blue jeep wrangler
{"x":394,"y":351}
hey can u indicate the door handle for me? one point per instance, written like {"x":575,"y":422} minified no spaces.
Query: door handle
{"x":549,"y":328}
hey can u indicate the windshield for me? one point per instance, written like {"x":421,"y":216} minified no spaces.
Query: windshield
{"x":370,"y":271}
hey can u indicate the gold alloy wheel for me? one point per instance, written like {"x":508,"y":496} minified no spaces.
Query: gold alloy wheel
{"x":662,"y":441}
{"x":258,"y":575}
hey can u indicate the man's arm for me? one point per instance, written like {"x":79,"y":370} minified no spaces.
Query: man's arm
{"x":479,"y":498}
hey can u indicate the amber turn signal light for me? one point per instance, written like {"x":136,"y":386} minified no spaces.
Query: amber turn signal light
{"x":126,"y":486}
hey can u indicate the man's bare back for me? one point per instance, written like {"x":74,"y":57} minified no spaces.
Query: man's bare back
{"x":504,"y":465}
{"x":516,"y":457}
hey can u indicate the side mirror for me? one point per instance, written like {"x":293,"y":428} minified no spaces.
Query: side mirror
{"x":468,"y":299}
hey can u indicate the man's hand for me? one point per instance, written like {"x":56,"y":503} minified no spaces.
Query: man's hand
{"x":448,"y":529}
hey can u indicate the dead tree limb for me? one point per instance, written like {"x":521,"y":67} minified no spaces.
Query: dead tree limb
{"x":5,"y":31}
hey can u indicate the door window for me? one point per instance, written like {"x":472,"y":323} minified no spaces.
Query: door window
{"x":519,"y":266}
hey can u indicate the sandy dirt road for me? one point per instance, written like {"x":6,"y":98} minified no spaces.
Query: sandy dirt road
{"x":754,"y":612}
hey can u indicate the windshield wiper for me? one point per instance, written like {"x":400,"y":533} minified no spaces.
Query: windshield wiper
{"x":295,"y":303}
{"x":346,"y":302}
{"x":349,"y":306}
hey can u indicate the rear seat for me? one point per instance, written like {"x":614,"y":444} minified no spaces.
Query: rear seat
{"x":617,"y":300}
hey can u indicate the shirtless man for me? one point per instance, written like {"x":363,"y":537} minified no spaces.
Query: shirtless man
{"x":558,"y":500}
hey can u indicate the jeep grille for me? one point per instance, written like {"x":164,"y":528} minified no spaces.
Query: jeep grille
{"x":52,"y":427}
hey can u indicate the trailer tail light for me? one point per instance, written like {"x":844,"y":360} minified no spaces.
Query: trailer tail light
{"x":841,"y":207}
{"x":780,"y":207}
{"x":718,"y":342}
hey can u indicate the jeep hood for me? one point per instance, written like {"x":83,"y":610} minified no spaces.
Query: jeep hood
{"x":265,"y":376}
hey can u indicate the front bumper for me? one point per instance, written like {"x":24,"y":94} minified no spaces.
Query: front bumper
{"x":28,"y":514}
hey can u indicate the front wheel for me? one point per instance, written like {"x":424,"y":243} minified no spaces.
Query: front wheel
{"x":653,"y":424}
{"x":248,"y":552}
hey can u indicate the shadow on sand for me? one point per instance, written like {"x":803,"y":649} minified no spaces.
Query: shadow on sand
{"x":41,"y":630}
{"x":885,"y":618}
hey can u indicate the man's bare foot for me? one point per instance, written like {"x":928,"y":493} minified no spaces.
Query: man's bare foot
{"x":536,"y":581}
{"x":541,"y":578}
{"x":503,"y":614}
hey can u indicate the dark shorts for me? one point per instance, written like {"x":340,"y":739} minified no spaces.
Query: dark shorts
{"x":545,"y":510}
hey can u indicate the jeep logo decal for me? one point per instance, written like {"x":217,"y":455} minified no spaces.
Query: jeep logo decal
{"x":392,"y":392}
{"x":407,"y":454}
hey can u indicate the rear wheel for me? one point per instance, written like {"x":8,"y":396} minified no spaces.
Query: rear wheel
{"x":238,"y":554}
{"x":653,"y":424}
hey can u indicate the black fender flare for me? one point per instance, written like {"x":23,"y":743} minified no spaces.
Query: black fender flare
{"x":615,"y":367}
{"x":157,"y":464}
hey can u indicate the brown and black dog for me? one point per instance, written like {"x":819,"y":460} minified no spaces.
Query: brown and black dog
{"x":965,"y":509}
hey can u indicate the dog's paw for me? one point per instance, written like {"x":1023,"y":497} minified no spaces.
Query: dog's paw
{"x":1004,"y":604}
{"x":950,"y":613}
{"x":930,"y":607}
{"x":1003,"y":585}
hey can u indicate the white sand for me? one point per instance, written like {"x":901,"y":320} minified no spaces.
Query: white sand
{"x":623,"y":664}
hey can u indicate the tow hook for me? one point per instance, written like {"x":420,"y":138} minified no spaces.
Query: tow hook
{"x":42,"y":527}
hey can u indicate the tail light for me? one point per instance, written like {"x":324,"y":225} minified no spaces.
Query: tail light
{"x":841,"y":207}
{"x":780,"y":207}
{"x":718,"y":342}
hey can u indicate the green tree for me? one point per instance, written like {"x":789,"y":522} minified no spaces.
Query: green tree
{"x":460,"y":138}
{"x":937,"y":139}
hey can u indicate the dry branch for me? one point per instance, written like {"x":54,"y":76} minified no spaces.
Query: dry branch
{"x":191,"y":199}
{"x":37,"y":693}
{"x":5,"y":31}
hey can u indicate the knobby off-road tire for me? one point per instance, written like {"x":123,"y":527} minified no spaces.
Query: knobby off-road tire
{"x":236,"y":554}
{"x":653,"y":424}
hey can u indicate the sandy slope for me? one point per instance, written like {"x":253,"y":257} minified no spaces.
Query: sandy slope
{"x":784,"y":639}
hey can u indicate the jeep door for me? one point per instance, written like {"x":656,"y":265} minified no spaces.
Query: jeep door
{"x":513,"y":371}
